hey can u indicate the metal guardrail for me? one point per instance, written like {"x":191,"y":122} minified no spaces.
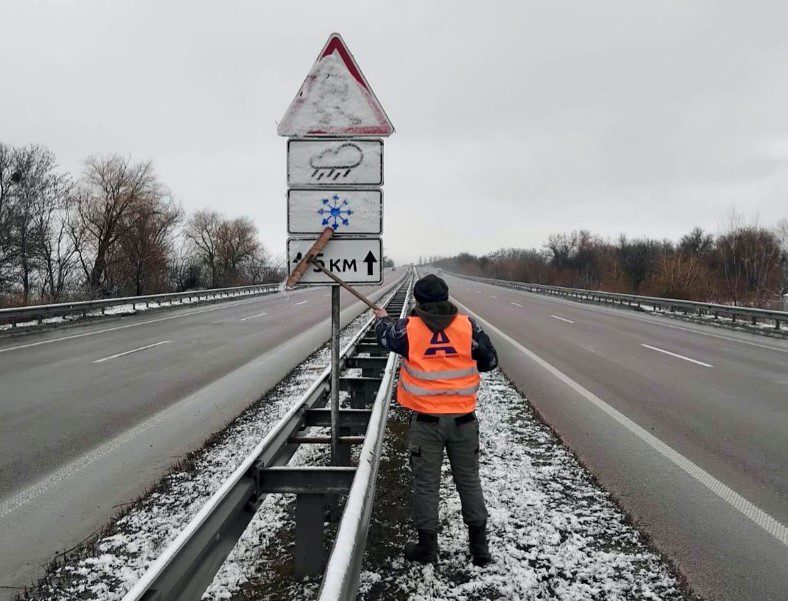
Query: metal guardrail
{"x":38,"y":313}
{"x":343,"y":571}
{"x":187,"y":566}
{"x":667,"y":305}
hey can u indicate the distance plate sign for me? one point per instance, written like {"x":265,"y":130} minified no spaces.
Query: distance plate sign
{"x":334,"y":162}
{"x":349,"y":212}
{"x":355,"y":260}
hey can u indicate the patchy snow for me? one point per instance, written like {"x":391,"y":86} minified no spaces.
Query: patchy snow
{"x":554,"y":533}
{"x":107,"y":568}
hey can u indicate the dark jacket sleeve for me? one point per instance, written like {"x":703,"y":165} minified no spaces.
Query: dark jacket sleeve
{"x":483,"y":350}
{"x":392,"y":335}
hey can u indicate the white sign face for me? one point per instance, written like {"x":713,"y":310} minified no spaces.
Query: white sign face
{"x":347,"y":211}
{"x":334,"y":163}
{"x":355,"y":260}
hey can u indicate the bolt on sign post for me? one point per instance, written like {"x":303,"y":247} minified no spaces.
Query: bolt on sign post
{"x":334,"y":199}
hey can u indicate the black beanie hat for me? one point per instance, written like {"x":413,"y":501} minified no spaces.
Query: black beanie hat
{"x":430,"y":289}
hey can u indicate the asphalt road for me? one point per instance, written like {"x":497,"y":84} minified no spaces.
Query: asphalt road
{"x":91,"y":416}
{"x":687,"y":426}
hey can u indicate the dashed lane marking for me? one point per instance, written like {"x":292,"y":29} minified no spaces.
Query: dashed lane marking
{"x":301,"y":303}
{"x":690,"y":359}
{"x":132,"y":325}
{"x":561,"y":318}
{"x":252,"y":316}
{"x":493,"y":296}
{"x":730,"y":496}
{"x":653,"y":320}
{"x":136,"y":350}
{"x":516,"y":304}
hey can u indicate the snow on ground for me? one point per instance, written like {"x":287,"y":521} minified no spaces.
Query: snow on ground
{"x":107,"y":568}
{"x":554,"y":533}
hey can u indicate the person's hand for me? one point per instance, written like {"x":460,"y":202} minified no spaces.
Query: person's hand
{"x":380,"y":313}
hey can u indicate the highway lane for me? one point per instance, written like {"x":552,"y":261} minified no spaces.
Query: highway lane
{"x":717,"y":398}
{"x":91,"y":416}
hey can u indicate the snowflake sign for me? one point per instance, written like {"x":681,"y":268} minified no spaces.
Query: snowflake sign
{"x":334,"y":211}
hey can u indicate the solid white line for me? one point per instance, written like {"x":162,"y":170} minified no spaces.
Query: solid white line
{"x":690,"y":359}
{"x":133,"y":325}
{"x":734,"y":499}
{"x":252,"y":316}
{"x":562,"y":318}
{"x":516,"y":304}
{"x":301,"y":303}
{"x":136,"y":350}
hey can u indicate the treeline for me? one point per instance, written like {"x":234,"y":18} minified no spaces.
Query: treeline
{"x":115,"y":230}
{"x":744,"y":265}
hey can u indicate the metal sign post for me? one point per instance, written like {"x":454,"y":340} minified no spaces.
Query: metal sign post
{"x":334,"y":174}
{"x":336,"y":455}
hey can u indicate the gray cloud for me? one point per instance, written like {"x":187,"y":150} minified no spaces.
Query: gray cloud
{"x":514,"y":120}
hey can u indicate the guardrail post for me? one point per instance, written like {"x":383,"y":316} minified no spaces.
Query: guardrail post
{"x":777,"y":324}
{"x":308,"y":552}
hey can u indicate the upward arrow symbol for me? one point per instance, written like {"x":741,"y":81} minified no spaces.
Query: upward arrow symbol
{"x":370,"y":260}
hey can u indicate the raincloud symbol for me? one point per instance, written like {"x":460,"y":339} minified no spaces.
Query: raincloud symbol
{"x":336,"y":161}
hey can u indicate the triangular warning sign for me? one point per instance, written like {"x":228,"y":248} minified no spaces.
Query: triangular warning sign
{"x":335,"y":99}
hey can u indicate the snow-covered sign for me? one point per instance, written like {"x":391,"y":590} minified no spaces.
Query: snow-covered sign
{"x":335,"y":99}
{"x":334,"y":162}
{"x":355,"y":260}
{"x":347,"y":211}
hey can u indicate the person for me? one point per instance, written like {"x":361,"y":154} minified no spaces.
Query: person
{"x":443,"y":351}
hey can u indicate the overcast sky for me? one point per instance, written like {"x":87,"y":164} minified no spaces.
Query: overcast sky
{"x":514,"y":119}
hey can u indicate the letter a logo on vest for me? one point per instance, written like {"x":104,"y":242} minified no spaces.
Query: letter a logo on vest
{"x":438,"y":339}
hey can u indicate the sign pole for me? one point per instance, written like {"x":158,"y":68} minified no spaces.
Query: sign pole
{"x":335,"y":455}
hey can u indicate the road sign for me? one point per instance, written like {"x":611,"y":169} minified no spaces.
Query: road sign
{"x":355,"y":260}
{"x":347,"y":211}
{"x":335,"y":99}
{"x":334,"y":162}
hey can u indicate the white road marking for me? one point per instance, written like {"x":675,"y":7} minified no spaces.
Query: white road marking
{"x":516,"y":304}
{"x":690,"y":359}
{"x":562,"y":318}
{"x":252,"y":316}
{"x":131,"y":325}
{"x":478,"y":292}
{"x":621,"y":313}
{"x":136,"y":350}
{"x":730,"y":496}
{"x":493,"y":296}
{"x":301,"y":303}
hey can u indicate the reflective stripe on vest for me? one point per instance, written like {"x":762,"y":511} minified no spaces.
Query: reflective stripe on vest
{"x":439,"y":375}
{"x":437,"y":391}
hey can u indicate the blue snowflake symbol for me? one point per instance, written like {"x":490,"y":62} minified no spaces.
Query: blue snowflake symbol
{"x":334,"y":211}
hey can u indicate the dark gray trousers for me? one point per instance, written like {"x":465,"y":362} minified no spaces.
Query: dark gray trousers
{"x":426,"y":443}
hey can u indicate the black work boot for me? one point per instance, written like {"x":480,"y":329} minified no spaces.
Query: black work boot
{"x":477,"y":536}
{"x":426,"y":550}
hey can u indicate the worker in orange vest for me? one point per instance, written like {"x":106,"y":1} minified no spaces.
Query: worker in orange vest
{"x":443,"y":352}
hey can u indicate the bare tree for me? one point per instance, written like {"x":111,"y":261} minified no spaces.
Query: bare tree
{"x":637,"y":259}
{"x":202,"y":230}
{"x":139,"y":262}
{"x":111,"y":186}
{"x":750,"y":262}
{"x":8,"y":180}
{"x":237,"y":245}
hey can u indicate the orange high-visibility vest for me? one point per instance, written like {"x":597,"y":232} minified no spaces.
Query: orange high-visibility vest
{"x":439,"y":375}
